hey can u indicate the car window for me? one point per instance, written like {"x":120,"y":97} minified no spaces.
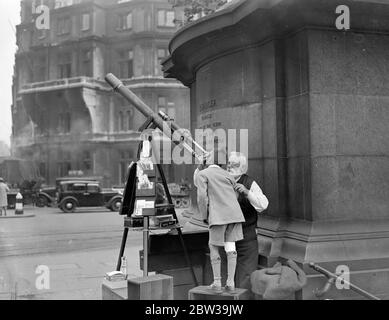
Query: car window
{"x":93,"y":188}
{"x":78,"y":187}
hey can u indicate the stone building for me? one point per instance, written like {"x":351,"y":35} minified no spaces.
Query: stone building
{"x":65,"y":116}
{"x":315,"y":101}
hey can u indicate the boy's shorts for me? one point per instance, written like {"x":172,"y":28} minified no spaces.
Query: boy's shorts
{"x":220,"y":234}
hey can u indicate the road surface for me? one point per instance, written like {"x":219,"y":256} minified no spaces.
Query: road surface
{"x":78,"y":249}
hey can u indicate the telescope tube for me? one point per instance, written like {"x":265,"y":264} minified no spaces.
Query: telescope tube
{"x":143,"y":108}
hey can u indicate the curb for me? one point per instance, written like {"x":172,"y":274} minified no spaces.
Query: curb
{"x":18,"y":216}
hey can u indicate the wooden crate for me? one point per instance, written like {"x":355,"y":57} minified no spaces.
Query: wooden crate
{"x":114,"y":290}
{"x":183,"y":281}
{"x":203,"y":293}
{"x":154,"y":287}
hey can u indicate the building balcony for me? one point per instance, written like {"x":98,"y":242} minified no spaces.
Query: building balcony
{"x":151,"y":82}
{"x":93,"y":83}
{"x":46,"y":139}
{"x":67,"y":83}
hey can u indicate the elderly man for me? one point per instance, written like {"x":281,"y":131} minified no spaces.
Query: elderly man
{"x":3,"y":197}
{"x":252,"y":201}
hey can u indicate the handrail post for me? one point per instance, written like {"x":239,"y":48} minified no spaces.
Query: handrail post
{"x":332,"y":277}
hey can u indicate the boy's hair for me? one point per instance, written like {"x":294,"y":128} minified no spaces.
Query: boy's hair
{"x":217,"y":156}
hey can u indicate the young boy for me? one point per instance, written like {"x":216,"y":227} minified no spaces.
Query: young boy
{"x":218,"y":204}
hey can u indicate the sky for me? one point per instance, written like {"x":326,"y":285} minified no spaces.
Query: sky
{"x":10,"y":17}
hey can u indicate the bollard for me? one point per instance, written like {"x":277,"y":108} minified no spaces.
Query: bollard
{"x":19,"y":204}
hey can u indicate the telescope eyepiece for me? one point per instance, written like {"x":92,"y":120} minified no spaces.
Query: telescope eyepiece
{"x":163,"y":115}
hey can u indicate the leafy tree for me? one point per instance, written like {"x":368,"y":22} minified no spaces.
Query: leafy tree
{"x":193,"y":8}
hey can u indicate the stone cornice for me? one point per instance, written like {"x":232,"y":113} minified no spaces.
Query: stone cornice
{"x":323,"y":231}
{"x":254,"y":21}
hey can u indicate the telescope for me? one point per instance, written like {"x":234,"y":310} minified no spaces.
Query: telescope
{"x":163,"y":122}
{"x":159,"y":119}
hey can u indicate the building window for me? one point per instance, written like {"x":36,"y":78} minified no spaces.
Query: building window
{"x":42,"y":169}
{"x":64,"y":71}
{"x":85,"y":21}
{"x":39,"y":73}
{"x":41,"y":123}
{"x":63,"y":25}
{"x":129,"y":120}
{"x":67,"y":166}
{"x":126,"y":64}
{"x":162,"y":53}
{"x":64,"y":163}
{"x":162,"y":103}
{"x":120,"y":121}
{"x":64,"y":66}
{"x":86,"y":63}
{"x":87,"y":161}
{"x":64,"y":122}
{"x":124,"y":21}
{"x":125,"y":158}
{"x":59,"y":169}
{"x":166,"y":18}
{"x":166,"y":107}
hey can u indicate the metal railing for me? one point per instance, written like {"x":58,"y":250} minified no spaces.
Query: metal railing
{"x":332,"y":278}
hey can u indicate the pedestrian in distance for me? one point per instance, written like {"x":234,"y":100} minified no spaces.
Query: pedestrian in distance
{"x":3,"y":197}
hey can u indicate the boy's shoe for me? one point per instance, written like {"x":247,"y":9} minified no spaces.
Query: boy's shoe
{"x":230,"y":289}
{"x":215,"y":288}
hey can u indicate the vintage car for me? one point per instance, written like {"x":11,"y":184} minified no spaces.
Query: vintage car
{"x":46,"y":196}
{"x":79,"y":193}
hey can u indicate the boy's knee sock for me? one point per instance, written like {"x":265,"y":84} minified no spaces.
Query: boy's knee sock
{"x":216,"y":267}
{"x":216,"y":263}
{"x":231,"y":267}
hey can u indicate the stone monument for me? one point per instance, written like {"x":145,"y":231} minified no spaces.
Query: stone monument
{"x":315,"y":100}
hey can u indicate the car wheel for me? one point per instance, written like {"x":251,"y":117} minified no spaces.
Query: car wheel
{"x":116,"y":204}
{"x":69,"y":206}
{"x":42,"y":202}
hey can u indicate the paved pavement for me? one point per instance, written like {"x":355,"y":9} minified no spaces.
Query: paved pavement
{"x":78,"y":248}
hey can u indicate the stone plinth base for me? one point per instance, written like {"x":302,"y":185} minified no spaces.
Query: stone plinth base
{"x":114,"y":290}
{"x":361,"y":246}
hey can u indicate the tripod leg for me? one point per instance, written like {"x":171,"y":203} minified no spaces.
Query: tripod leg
{"x":122,"y":247}
{"x":169,"y":198}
